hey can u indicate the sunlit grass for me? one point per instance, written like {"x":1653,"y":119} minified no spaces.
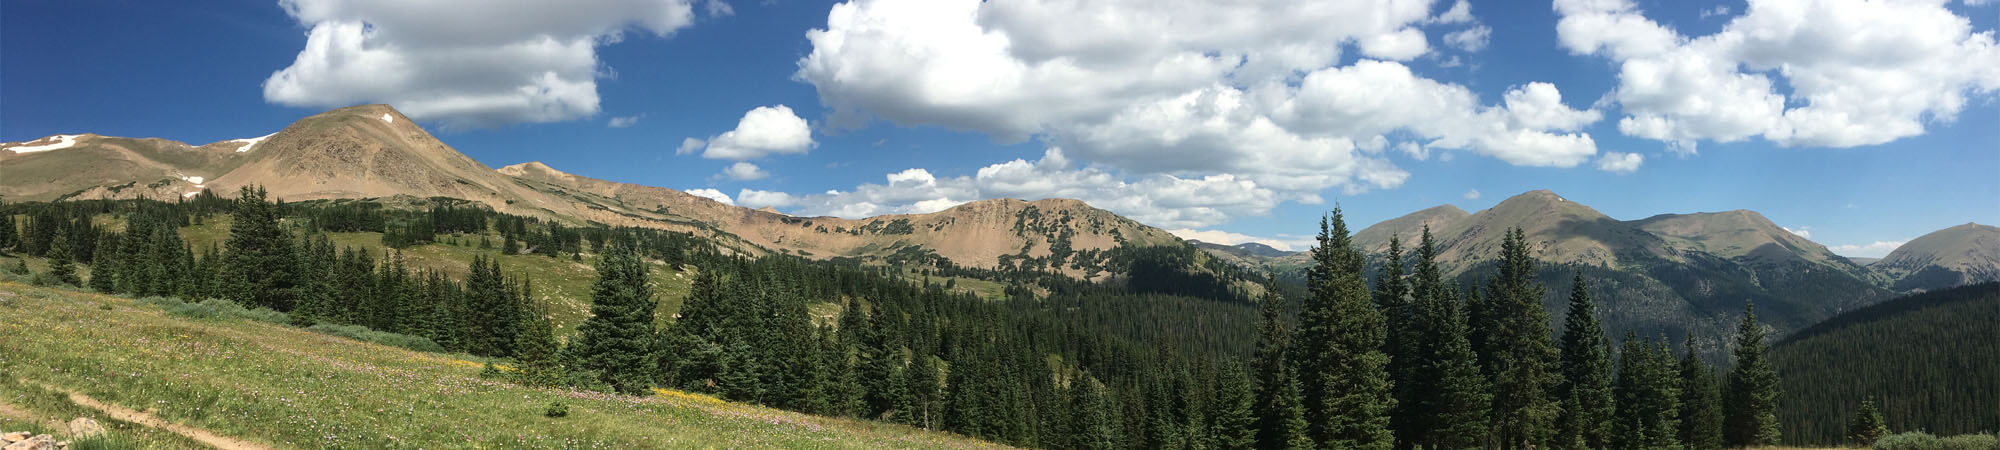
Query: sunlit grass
{"x":279,"y":385}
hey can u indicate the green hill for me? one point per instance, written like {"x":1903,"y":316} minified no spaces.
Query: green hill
{"x":275,"y":385}
{"x":1928,"y":360}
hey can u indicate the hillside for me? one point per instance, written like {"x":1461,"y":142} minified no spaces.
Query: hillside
{"x":1928,"y":361}
{"x":1963,"y":254}
{"x":373,"y":151}
{"x":264,"y":384}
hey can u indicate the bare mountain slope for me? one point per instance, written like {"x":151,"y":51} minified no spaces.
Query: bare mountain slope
{"x":1955,"y":256}
{"x":373,"y":151}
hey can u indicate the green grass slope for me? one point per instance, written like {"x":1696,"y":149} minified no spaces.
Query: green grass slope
{"x":287,"y":388}
{"x":561,"y":285}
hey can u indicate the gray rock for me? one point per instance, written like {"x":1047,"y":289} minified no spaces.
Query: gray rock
{"x":84,"y":428}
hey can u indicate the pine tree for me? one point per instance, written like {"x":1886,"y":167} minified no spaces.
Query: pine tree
{"x":1521,"y":358}
{"x":1342,"y":370}
{"x":926,"y":388}
{"x":843,"y":392}
{"x":260,"y":269}
{"x":1451,"y":393}
{"x":1701,"y":403}
{"x":61,"y":270}
{"x":1281,"y":422}
{"x":536,"y":349}
{"x":1867,"y":425}
{"x":1232,"y":417}
{"x":103,"y":266}
{"x":615,"y":340}
{"x":1095,"y":426}
{"x":1393,"y":298}
{"x":1750,"y":413}
{"x":9,"y":235}
{"x":1585,"y":387}
{"x":1647,"y":397}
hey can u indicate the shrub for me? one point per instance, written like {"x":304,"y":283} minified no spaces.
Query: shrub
{"x":215,"y":308}
{"x":1918,"y":440}
{"x":556,"y":409}
{"x":365,"y":334}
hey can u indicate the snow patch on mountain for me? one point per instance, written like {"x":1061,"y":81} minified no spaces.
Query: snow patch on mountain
{"x":62,"y":141}
{"x":247,"y":143}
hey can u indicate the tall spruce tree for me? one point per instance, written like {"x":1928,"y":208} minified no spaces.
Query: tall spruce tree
{"x":1522,"y":359}
{"x":1281,"y":422}
{"x":1232,"y":418}
{"x":615,"y":340}
{"x":1750,"y":408}
{"x":1393,"y":298}
{"x":61,"y":268}
{"x":1646,"y":397}
{"x":103,"y":266}
{"x":1701,"y":402}
{"x":1585,"y":422}
{"x":9,"y":235}
{"x":1342,"y":370}
{"x":1867,"y":426}
{"x":260,"y":268}
{"x":1451,"y":398}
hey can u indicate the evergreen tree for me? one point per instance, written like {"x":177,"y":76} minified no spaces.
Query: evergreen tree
{"x":61,"y":269}
{"x":926,"y":388}
{"x":1867,"y":425}
{"x":843,"y":392}
{"x":1585,"y":422}
{"x":1521,"y":355}
{"x":1393,"y":298}
{"x":1281,"y":422}
{"x":260,"y":254}
{"x":9,"y":235}
{"x":1233,"y":421}
{"x":1095,"y":426}
{"x":1750,"y":411}
{"x":1451,"y":397}
{"x":1647,"y":397}
{"x":103,"y":266}
{"x":615,"y":340}
{"x":536,"y":348}
{"x":1701,"y":403}
{"x":1343,"y":373}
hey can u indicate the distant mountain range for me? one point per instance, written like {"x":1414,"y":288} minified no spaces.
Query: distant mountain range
{"x":373,"y":151}
{"x":1665,"y":273}
{"x":1672,"y":272}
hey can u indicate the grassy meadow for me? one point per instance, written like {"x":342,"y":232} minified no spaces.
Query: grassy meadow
{"x":283,"y":387}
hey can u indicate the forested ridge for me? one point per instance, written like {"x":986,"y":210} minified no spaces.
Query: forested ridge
{"x":1394,"y":357}
{"x":1929,"y":362}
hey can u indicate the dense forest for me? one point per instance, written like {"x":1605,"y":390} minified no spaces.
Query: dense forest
{"x":1394,"y":357}
{"x":1928,"y":363}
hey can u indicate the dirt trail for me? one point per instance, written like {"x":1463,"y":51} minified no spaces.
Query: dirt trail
{"x":142,"y":418}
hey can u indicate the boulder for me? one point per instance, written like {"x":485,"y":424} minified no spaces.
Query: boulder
{"x":84,"y":428}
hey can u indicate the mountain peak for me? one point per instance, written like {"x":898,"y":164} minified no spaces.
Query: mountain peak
{"x":536,"y":167}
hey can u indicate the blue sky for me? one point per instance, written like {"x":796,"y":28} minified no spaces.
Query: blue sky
{"x":1855,"y":123}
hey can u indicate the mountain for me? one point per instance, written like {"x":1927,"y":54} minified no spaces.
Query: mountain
{"x":1959,"y":255}
{"x":1670,"y":273}
{"x":374,"y":151}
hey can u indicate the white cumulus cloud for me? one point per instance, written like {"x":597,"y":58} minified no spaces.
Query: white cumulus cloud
{"x":1820,"y":73}
{"x":622,"y":122}
{"x":1875,"y":249}
{"x":1620,"y":163}
{"x":1228,"y":238}
{"x":1804,"y":232}
{"x":484,"y":63}
{"x":1472,"y":194}
{"x":1470,"y":39}
{"x":1191,"y":90}
{"x":764,"y":131}
{"x":712,"y":194}
{"x":743,"y":171}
